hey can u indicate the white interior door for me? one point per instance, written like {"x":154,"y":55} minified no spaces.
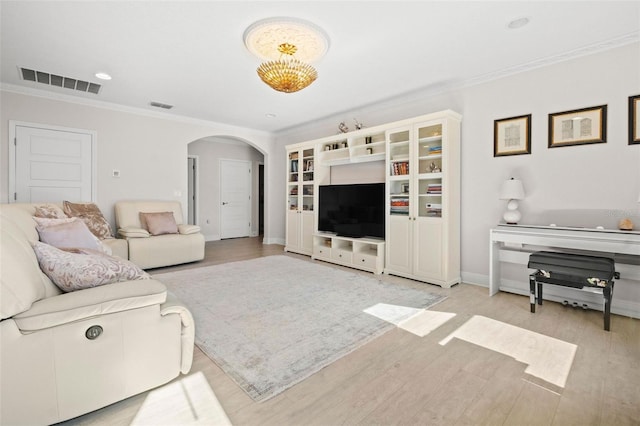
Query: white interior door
{"x":235,"y":198}
{"x":51,"y":165}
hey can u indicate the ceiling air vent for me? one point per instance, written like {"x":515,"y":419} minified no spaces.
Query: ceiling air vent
{"x":161,"y":105}
{"x":59,"y":81}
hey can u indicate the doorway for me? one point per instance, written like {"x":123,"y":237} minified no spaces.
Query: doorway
{"x":192,"y":189}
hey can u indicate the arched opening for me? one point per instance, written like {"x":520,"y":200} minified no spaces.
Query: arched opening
{"x":226,"y":187}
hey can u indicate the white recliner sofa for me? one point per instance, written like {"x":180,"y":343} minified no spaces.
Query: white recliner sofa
{"x":181,"y":243}
{"x":50,"y":367}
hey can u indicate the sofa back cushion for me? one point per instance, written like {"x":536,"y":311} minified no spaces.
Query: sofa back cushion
{"x":128,"y":212}
{"x":21,"y":280}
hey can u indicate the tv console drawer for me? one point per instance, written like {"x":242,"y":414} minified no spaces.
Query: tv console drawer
{"x":341,"y":255}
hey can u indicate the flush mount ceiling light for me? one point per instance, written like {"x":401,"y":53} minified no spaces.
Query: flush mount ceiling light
{"x":518,"y":23}
{"x":277,"y":40}
{"x":103,"y":76}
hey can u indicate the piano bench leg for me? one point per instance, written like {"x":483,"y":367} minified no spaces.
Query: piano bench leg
{"x":606,"y":292}
{"x":539,"y":293}
{"x":532,"y":293}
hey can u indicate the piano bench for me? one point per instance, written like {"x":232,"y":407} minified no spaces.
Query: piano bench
{"x":572,"y":270}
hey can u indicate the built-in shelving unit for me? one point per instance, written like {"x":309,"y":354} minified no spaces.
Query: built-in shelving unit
{"x":421,"y":157}
{"x":423,"y":196}
{"x":360,"y":146}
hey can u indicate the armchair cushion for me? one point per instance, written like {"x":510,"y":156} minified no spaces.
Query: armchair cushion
{"x":188,"y":229}
{"x":92,"y":302}
{"x":131,"y":232}
{"x":84,"y":268}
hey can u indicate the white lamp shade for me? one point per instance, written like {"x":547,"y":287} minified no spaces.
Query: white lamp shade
{"x":512,"y":189}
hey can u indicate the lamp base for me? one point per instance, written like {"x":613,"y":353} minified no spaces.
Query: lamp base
{"x":512,"y":216}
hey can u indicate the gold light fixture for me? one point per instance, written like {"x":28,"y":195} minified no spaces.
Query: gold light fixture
{"x":287,"y":74}
{"x":276,"y":40}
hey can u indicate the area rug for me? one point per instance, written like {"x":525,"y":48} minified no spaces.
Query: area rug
{"x":271,"y":322}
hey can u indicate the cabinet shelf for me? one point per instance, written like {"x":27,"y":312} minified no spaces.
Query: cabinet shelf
{"x":429,"y":139}
{"x":430,"y":175}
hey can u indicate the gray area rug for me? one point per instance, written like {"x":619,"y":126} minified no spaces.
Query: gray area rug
{"x":271,"y":322}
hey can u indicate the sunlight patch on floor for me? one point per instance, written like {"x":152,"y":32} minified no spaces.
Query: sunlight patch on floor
{"x":548,"y":358}
{"x":189,"y":401}
{"x":417,"y":321}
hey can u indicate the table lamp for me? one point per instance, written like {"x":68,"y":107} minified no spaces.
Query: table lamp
{"x":513,"y":191}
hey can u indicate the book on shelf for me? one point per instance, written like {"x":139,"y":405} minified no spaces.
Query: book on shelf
{"x":434,"y":188}
{"x":400,"y":168}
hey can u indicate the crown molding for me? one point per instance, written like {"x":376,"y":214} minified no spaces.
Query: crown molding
{"x":630,"y":38}
{"x":30,"y":91}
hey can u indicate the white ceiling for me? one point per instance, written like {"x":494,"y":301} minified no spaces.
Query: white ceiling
{"x":191,"y":54}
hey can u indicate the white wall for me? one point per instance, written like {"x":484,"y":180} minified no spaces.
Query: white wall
{"x":210,"y":151}
{"x":599,"y":176}
{"x":150,"y":151}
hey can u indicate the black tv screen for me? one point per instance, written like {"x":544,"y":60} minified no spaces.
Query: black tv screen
{"x":352,"y":210}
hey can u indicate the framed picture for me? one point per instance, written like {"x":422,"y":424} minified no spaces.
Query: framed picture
{"x":634,"y":119}
{"x":578,"y":127}
{"x":512,"y":136}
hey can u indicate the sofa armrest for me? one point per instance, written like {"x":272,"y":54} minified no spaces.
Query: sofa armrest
{"x":188,"y":229}
{"x":131,"y":232}
{"x":91,"y":302}
{"x":174,"y":306}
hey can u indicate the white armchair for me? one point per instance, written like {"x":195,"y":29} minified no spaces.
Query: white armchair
{"x":170,"y":244}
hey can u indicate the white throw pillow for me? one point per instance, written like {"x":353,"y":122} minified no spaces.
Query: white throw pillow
{"x":84,"y":268}
{"x":68,"y":233}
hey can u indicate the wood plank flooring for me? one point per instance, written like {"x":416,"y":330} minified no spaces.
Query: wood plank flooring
{"x":403,"y":379}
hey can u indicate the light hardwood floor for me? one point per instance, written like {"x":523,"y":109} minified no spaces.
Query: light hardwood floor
{"x":403,"y":379}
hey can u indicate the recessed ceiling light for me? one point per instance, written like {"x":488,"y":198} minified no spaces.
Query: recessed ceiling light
{"x":518,"y":23}
{"x":103,"y":76}
{"x":270,"y":115}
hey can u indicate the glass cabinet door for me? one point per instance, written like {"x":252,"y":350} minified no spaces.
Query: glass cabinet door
{"x":398,"y":161}
{"x":429,"y":170}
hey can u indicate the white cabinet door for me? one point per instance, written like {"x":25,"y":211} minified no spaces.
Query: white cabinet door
{"x":399,"y":244}
{"x":428,"y":248}
{"x":308,"y":229}
{"x":293,"y":229}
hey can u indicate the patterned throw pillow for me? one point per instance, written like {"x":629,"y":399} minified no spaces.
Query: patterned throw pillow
{"x":49,"y":211}
{"x":84,"y":268}
{"x":91,"y":215}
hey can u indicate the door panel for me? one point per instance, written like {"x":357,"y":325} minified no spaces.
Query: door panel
{"x":428,"y":251}
{"x":399,"y":243}
{"x":235,"y":196}
{"x":53,"y":165}
{"x":293,"y":229}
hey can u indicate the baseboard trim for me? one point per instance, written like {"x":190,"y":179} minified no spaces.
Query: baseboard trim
{"x":558,"y":294}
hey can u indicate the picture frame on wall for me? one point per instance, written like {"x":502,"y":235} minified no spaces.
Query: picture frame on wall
{"x":634,"y":120}
{"x":578,"y":127}
{"x":512,"y":136}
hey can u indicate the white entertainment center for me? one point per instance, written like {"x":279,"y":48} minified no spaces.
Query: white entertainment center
{"x":421,"y":161}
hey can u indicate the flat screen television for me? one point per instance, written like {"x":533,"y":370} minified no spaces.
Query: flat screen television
{"x":352,"y":210}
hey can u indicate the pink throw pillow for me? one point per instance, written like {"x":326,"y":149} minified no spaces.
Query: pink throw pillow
{"x":159,"y":223}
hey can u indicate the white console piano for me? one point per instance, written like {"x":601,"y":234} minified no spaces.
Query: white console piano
{"x":514,"y":244}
